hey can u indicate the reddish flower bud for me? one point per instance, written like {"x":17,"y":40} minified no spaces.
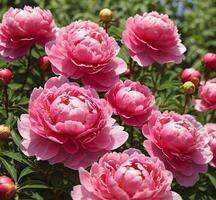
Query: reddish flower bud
{"x":7,"y":188}
{"x":189,"y":87}
{"x":192,"y":75}
{"x":44,"y":63}
{"x":5,"y":76}
{"x":4,"y":132}
{"x":209,"y":60}
{"x":127,"y":73}
{"x":106,"y":15}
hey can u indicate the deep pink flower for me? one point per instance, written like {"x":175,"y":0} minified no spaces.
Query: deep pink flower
{"x":20,"y":28}
{"x":211,"y":130}
{"x":153,"y":38}
{"x":132,"y":101}
{"x":69,"y":124}
{"x":181,"y":143}
{"x":209,"y":60}
{"x":191,"y":74}
{"x":84,"y":50}
{"x":125,"y":176}
{"x":207,"y":94}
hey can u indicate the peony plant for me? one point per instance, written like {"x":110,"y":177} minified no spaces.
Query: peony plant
{"x":91,"y":110}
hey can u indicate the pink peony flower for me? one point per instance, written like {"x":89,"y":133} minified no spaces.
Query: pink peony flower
{"x":68,"y":124}
{"x":21,"y":28}
{"x":211,"y":130}
{"x":84,"y":50}
{"x":181,"y":143}
{"x":125,"y":176}
{"x":207,"y":93}
{"x":153,"y":38}
{"x":132,"y":101}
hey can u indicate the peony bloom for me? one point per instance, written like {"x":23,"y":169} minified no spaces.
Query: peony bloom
{"x":125,"y":176}
{"x":21,"y":28}
{"x":69,"y":124}
{"x":132,"y":101}
{"x":209,"y":60}
{"x":207,"y":93}
{"x":153,"y":38}
{"x":84,"y":50}
{"x":191,"y":74}
{"x":181,"y":143}
{"x":211,"y":130}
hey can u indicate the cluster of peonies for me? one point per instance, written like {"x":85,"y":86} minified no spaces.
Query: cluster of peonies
{"x":70,"y":124}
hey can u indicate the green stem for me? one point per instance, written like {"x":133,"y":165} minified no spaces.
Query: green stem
{"x":6,"y":100}
{"x":27,"y":69}
{"x":186,"y":103}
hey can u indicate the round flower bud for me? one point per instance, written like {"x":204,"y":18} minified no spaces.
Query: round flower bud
{"x":189,"y":87}
{"x":106,"y":15}
{"x":44,"y":63}
{"x":209,"y":60}
{"x":7,"y":188}
{"x":192,"y":75}
{"x":5,"y":76}
{"x":4,"y":132}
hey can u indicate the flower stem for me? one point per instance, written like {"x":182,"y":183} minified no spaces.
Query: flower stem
{"x":186,"y":103}
{"x":6,"y":100}
{"x":27,"y":69}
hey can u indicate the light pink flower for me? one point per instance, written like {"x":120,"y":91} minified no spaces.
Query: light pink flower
{"x":211,"y":130}
{"x":153,"y":38}
{"x":84,"y":50}
{"x":69,"y":124}
{"x":181,"y":143}
{"x":21,"y":28}
{"x":132,"y":101}
{"x":125,"y":176}
{"x":207,"y":93}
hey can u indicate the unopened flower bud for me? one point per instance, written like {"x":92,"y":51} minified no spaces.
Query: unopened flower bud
{"x":7,"y":188}
{"x":189,"y":87}
{"x":192,"y":75}
{"x":5,"y":132}
{"x":127,"y":73}
{"x":5,"y":76}
{"x":209,"y":60}
{"x":44,"y":63}
{"x":106,"y":15}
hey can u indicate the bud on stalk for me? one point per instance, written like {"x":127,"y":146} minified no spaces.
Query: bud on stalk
{"x":7,"y":188}
{"x":189,"y":87}
{"x":209,"y":60}
{"x":191,"y":74}
{"x":5,"y":132}
{"x":44,"y":63}
{"x":5,"y":76}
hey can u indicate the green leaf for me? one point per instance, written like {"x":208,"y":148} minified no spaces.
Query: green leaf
{"x":33,"y":184}
{"x":10,"y":168}
{"x":17,"y":156}
{"x":15,"y":138}
{"x":212,"y":179}
{"x":26,"y":171}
